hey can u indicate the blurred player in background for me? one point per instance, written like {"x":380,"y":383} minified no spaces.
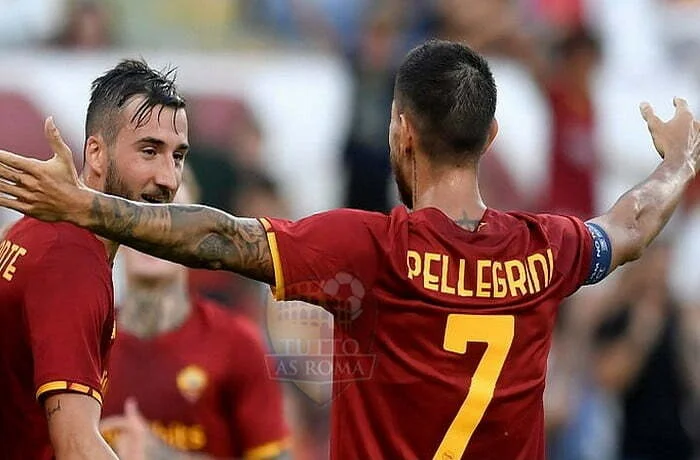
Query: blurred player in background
{"x":185,"y":375}
{"x":454,"y":303}
{"x":56,"y":299}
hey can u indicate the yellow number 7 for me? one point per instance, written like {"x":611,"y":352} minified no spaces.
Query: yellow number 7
{"x":497,"y":332}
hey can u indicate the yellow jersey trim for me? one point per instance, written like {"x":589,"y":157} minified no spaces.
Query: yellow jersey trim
{"x":271,"y":449}
{"x":279,"y":286}
{"x":65,"y":386}
{"x":266,"y":224}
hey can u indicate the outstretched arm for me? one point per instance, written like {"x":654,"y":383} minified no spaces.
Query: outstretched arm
{"x":193,"y":235}
{"x":197,"y":236}
{"x":641,"y":213}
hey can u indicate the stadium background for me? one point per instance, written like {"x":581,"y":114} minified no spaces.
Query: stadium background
{"x":289,"y":103}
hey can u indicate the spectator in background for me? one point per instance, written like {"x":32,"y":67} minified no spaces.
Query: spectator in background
{"x":218,"y":174}
{"x":87,"y":27}
{"x":463,"y":20}
{"x":555,"y":15}
{"x":684,"y":281}
{"x":259,"y":196}
{"x":638,"y":359}
{"x":227,"y":143}
{"x":246,"y":137}
{"x":330,"y":24}
{"x":373,"y":65}
{"x":580,"y":419}
{"x":566,"y":82}
{"x":573,"y":162}
{"x":29,"y":23}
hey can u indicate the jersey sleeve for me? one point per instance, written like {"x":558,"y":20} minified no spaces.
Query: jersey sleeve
{"x":573,"y":244}
{"x":66,"y":307}
{"x":256,"y":403}
{"x":321,"y":258}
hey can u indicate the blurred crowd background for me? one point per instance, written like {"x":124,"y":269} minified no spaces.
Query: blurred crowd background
{"x":289,"y":104}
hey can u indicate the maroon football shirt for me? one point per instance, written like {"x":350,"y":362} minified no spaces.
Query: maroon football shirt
{"x":203,"y":387}
{"x":57,"y":324}
{"x":441,"y":334}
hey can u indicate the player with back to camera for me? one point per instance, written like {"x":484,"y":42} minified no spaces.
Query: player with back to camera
{"x":460,"y":299}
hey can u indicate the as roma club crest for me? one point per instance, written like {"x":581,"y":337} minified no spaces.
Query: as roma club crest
{"x":191,"y":381}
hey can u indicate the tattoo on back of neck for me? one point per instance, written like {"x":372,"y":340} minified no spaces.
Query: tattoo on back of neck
{"x":467,"y":223}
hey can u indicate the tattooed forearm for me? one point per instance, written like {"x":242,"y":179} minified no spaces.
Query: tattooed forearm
{"x":193,"y":235}
{"x":51,"y":411}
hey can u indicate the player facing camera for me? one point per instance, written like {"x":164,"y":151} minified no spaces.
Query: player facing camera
{"x":136,"y":134}
{"x":58,"y":321}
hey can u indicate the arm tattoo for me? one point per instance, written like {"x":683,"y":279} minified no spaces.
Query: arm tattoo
{"x":51,"y":411}
{"x":193,"y":235}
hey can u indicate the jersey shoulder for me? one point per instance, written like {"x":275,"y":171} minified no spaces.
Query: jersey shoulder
{"x":549,"y":225}
{"x":45,"y":236}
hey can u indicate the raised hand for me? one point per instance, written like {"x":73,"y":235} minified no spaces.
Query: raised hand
{"x":136,"y":441}
{"x":46,"y":190}
{"x":678,"y":138}
{"x":131,"y":433}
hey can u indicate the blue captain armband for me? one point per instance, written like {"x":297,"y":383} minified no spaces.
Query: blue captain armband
{"x":601,"y":256}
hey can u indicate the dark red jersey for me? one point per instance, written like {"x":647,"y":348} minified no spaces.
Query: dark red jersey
{"x":57,"y":324}
{"x":203,"y":387}
{"x":441,"y":334}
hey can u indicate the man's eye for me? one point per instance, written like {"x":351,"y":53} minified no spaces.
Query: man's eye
{"x":149,"y":151}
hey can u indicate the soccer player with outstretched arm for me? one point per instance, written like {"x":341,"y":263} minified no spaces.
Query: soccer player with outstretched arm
{"x":458,"y":300}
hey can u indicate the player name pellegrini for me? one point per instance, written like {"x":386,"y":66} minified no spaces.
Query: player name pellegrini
{"x":481,"y":277}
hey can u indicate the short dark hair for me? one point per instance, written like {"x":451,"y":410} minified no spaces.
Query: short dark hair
{"x":451,"y":93}
{"x":111,"y":91}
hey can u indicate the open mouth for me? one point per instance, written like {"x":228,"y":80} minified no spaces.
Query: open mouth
{"x":153,"y":199}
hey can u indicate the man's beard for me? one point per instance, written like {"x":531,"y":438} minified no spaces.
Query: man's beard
{"x":405,"y":192}
{"x":114,"y":185}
